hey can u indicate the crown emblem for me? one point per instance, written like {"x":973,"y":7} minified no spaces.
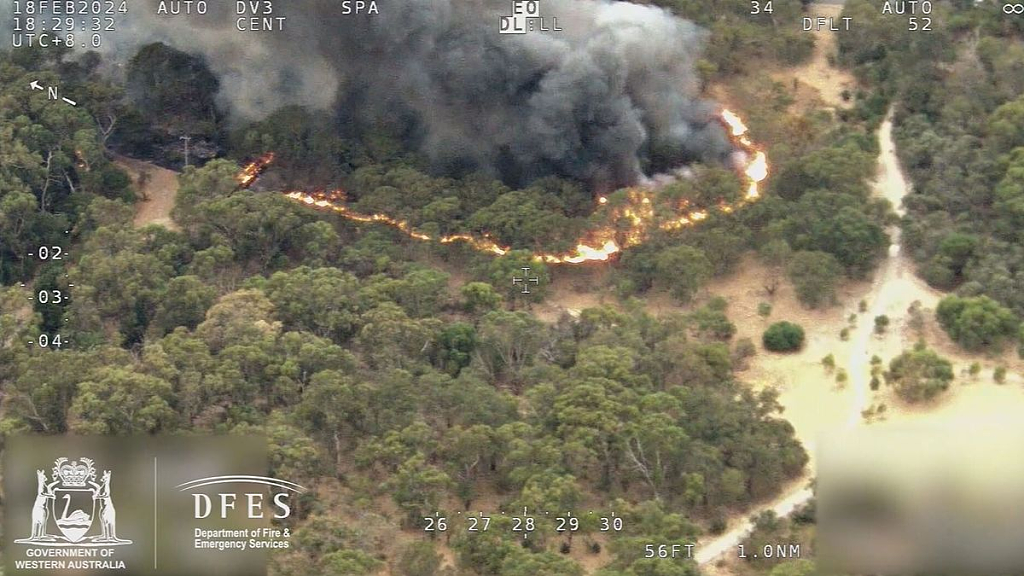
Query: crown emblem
{"x":72,"y":474}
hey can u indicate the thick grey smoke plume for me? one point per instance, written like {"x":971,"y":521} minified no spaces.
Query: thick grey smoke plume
{"x":615,"y":87}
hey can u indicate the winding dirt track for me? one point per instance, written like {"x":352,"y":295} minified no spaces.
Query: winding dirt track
{"x":975,"y":402}
{"x":891,"y":293}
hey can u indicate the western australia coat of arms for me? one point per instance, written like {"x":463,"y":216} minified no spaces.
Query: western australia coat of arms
{"x":74,"y":501}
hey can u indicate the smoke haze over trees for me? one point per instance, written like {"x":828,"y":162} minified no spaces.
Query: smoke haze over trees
{"x":594,"y":102}
{"x":384,"y":369}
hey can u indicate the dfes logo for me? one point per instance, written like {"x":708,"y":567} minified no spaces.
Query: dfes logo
{"x":225,"y":503}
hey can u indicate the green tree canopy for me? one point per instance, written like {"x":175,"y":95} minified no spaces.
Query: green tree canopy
{"x":920,"y":374}
{"x":682,"y":270}
{"x":783,"y":337}
{"x":815,"y":276}
{"x":976,"y":322}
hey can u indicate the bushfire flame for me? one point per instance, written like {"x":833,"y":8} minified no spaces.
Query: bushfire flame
{"x":251,"y":171}
{"x":599,"y":244}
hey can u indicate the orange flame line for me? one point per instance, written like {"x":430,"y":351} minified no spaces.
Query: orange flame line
{"x":598,"y":246}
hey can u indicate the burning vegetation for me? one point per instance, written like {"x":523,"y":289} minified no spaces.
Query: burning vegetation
{"x":598,"y":244}
{"x":251,"y":171}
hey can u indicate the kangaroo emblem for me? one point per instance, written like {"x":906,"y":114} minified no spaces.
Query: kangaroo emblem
{"x":72,"y":501}
{"x":40,"y":511}
{"x":108,"y":516}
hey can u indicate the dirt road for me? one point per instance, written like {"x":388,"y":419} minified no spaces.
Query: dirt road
{"x":816,"y":409}
{"x":818,"y":76}
{"x":895,"y":287}
{"x":157,"y":191}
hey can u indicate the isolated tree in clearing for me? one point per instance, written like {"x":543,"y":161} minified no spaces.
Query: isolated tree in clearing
{"x":783,"y":337}
{"x":920,"y":374}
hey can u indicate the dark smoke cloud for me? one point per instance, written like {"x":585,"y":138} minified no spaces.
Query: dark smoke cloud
{"x":590,"y":102}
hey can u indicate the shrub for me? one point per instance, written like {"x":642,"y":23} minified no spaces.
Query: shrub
{"x":718,"y":304}
{"x":479,"y":297}
{"x":806,"y":514}
{"x":916,"y":321}
{"x":999,"y":374}
{"x":718,"y":524}
{"x":744,"y":349}
{"x":829,"y":362}
{"x":881,"y":323}
{"x":625,"y":287}
{"x":844,"y":334}
{"x":764,"y":309}
{"x":683,"y":270}
{"x":919,"y":374}
{"x":937,"y":273}
{"x":418,"y":559}
{"x":711,"y":322}
{"x":783,"y":337}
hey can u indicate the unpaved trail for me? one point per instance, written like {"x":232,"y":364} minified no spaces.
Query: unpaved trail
{"x":818,"y":75}
{"x":891,"y":292}
{"x":895,"y":287}
{"x":721,"y":545}
{"x":157,"y":191}
{"x":816,"y":410}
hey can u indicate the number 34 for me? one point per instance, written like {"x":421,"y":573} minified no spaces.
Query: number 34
{"x":756,"y":8}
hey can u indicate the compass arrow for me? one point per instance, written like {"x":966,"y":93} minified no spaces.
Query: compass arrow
{"x":35,"y":85}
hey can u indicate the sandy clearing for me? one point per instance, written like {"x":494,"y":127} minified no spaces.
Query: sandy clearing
{"x":816,"y":406}
{"x":573,"y":289}
{"x":818,"y":76}
{"x":814,"y":403}
{"x":157,"y":191}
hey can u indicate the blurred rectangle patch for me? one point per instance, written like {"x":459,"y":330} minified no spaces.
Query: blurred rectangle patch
{"x":922,"y":500}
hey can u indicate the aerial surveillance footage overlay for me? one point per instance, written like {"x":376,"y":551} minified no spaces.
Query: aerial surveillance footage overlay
{"x":511,"y":287}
